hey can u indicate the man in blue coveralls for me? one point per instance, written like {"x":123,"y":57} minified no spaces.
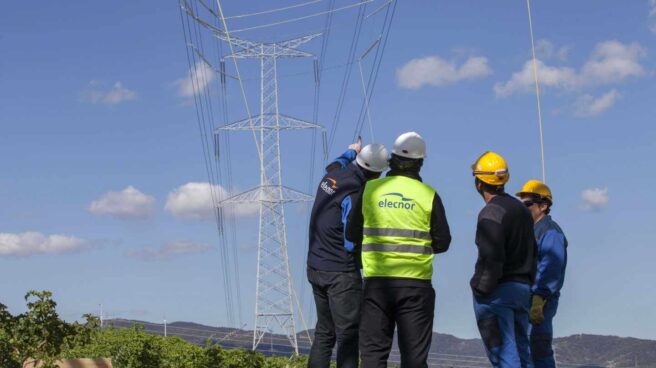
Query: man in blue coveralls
{"x":333,"y":265}
{"x":552,"y":260}
{"x":505,"y":268}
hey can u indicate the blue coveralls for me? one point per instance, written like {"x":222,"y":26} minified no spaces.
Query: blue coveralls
{"x":552,"y":261}
{"x":503,"y":315}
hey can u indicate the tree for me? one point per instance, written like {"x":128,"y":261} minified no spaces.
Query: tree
{"x":39,"y":333}
{"x":7,"y":322}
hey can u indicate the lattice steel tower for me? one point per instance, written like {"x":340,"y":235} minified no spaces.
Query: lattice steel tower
{"x":274,"y":288}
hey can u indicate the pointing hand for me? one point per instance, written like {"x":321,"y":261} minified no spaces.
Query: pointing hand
{"x":356,"y":146}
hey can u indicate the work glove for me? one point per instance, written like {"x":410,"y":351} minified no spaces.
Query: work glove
{"x":536,"y":315}
{"x":356,"y":146}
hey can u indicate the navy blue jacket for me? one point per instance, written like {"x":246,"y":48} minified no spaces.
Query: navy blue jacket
{"x":328,"y":248}
{"x":552,"y":258}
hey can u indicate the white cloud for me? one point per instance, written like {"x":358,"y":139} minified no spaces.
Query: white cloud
{"x":195,"y":201}
{"x":588,"y":106}
{"x":128,"y":203}
{"x":549,"y":76}
{"x":197,"y":79}
{"x":435,"y":71}
{"x":546,"y":50}
{"x":32,"y":243}
{"x":611,"y":62}
{"x":117,"y":94}
{"x":170,"y":250}
{"x":594,"y":199}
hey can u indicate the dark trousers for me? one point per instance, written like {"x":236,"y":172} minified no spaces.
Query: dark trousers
{"x":542,"y":337}
{"x":411,"y":309}
{"x":337,"y":296}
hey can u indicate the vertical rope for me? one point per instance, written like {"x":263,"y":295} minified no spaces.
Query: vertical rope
{"x":366,"y":101}
{"x":537,"y":89}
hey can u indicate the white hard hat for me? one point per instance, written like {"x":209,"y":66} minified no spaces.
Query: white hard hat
{"x":373,"y":157}
{"x":410,"y":145}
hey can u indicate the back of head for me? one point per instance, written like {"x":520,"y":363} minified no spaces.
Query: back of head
{"x":399,"y":163}
{"x":408,"y":153}
{"x":373,"y":158}
{"x":410,"y":145}
{"x":491,"y":169}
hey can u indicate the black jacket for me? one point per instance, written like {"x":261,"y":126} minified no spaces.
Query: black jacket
{"x":439,"y":230}
{"x":507,"y":249}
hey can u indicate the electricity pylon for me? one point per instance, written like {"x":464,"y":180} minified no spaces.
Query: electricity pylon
{"x":274,"y":293}
{"x":273,"y":302}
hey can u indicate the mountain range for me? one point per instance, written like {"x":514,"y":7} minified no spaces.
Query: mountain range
{"x":581,"y":351}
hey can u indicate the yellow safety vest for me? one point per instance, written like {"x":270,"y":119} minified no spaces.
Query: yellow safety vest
{"x":397,"y":242}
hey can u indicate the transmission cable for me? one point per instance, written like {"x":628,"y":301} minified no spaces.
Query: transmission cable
{"x":347,"y":75}
{"x":241,"y":84}
{"x":318,"y":71}
{"x":219,"y":213}
{"x":222,"y":91}
{"x":213,"y":185}
{"x":274,"y":10}
{"x":380,"y":51}
{"x":366,"y":99}
{"x":360,"y":3}
{"x":201,"y":124}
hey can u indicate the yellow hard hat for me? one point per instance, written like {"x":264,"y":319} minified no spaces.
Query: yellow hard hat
{"x":491,"y":168}
{"x":536,"y":187}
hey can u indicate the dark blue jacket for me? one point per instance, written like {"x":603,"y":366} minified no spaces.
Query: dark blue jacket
{"x":552,"y":258}
{"x":328,"y":248}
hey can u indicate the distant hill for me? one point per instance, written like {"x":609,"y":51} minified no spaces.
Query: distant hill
{"x":581,"y":351}
{"x":621,"y":351}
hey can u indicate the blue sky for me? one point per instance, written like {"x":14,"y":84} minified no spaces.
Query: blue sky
{"x":104,"y":190}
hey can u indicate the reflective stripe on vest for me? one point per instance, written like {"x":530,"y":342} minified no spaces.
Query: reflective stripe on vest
{"x":400,"y":248}
{"x":397,"y":241}
{"x":406,"y":233}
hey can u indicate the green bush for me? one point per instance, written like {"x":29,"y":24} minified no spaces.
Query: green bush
{"x":41,"y":334}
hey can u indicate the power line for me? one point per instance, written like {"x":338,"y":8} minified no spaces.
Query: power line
{"x":241,"y":84}
{"x":274,"y":10}
{"x":380,"y":51}
{"x":195,"y":74}
{"x":301,"y":18}
{"x":224,"y":245}
{"x":318,"y":75}
{"x":347,"y":74}
{"x":366,"y":100}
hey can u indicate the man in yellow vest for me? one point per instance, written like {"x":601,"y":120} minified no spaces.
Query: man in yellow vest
{"x":505,"y":267}
{"x":400,"y":223}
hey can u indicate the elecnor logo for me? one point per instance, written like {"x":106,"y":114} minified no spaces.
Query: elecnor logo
{"x":398,"y":200}
{"x":329,"y":186}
